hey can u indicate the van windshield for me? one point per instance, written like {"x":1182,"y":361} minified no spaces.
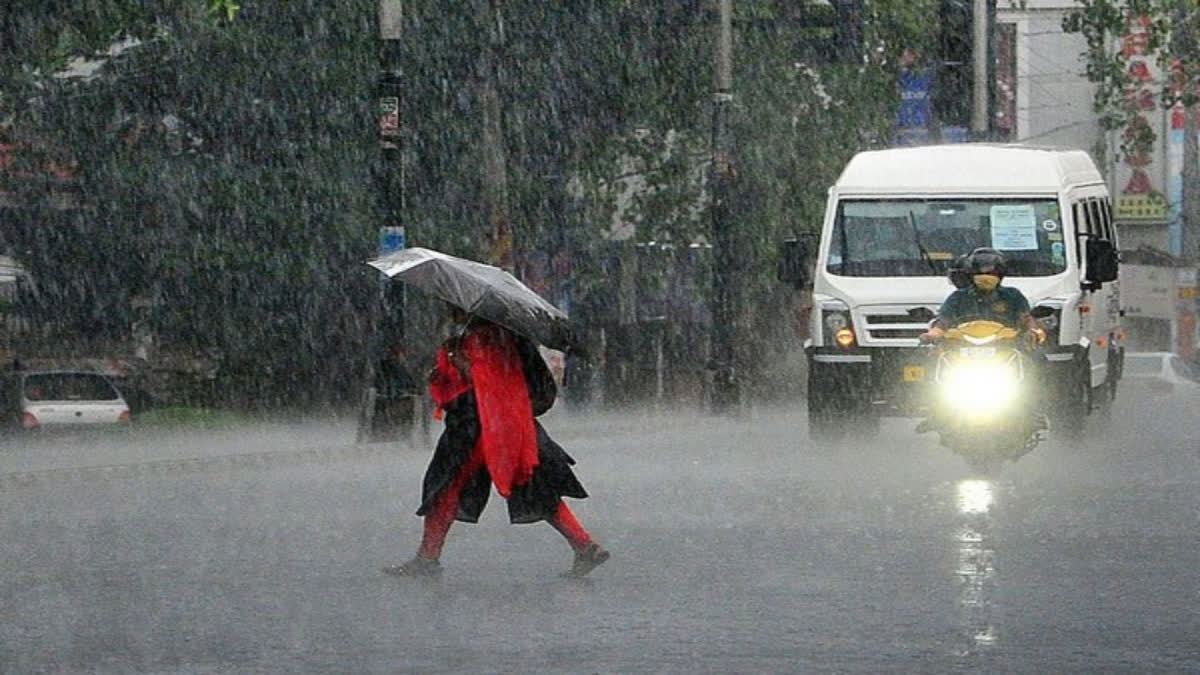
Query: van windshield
{"x":922,"y":237}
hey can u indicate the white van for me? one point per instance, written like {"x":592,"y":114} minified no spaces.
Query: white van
{"x":895,"y":221}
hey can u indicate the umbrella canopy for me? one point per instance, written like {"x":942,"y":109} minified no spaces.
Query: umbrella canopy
{"x":483,"y":290}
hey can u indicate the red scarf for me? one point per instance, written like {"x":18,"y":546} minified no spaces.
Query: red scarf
{"x":507,"y":439}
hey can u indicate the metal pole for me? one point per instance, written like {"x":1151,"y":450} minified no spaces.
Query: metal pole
{"x":979,"y":60}
{"x":1190,"y":210}
{"x":726,"y":387}
{"x":495,"y":160}
{"x":389,"y":202}
{"x":1183,"y":40}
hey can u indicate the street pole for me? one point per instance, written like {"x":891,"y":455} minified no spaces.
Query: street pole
{"x":979,"y":60}
{"x":392,"y":234}
{"x":1191,"y":198}
{"x":383,"y":327}
{"x":495,"y":159}
{"x":1184,"y":46}
{"x":726,"y":387}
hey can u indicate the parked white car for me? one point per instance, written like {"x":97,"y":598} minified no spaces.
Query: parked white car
{"x":1160,"y":373}
{"x":43,"y":399}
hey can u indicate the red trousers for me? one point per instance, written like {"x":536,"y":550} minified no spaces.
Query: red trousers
{"x":445,"y":508}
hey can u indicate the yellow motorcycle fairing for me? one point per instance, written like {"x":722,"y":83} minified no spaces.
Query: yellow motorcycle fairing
{"x":981,"y":332}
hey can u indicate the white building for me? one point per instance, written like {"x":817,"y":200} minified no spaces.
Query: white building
{"x":1052,"y":104}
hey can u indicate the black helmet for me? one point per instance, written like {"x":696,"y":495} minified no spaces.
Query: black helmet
{"x":987,"y":261}
{"x":958,"y":273}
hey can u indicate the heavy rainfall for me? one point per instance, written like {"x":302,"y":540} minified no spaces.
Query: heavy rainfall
{"x":219,"y":419}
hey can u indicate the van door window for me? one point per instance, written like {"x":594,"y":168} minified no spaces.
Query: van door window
{"x":1095,"y":222}
{"x":1110,"y":229}
{"x":1082,"y":228}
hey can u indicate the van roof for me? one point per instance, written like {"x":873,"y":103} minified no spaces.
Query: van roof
{"x":967,"y":167}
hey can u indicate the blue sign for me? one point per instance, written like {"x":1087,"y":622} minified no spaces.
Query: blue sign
{"x":955,"y":134}
{"x":915,"y":105}
{"x":391,"y":239}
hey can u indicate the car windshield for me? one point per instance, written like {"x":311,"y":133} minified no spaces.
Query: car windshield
{"x":922,"y":237}
{"x":69,"y":387}
{"x":1143,"y":365}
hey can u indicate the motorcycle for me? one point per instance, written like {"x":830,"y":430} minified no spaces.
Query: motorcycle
{"x":984,"y":394}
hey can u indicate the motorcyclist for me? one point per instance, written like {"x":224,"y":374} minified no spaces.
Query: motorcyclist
{"x":984,"y":298}
{"x":958,"y":274}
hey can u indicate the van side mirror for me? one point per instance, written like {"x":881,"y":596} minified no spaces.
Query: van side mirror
{"x":1102,"y":261}
{"x":795,"y":260}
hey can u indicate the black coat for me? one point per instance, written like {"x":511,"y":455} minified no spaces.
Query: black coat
{"x":552,"y":479}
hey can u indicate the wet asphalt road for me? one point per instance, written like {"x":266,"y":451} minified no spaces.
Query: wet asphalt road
{"x":737,"y":547}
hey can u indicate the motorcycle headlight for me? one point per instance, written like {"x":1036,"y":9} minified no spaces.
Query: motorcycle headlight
{"x":982,"y":386}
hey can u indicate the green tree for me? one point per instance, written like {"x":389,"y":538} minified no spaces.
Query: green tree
{"x":228,"y":167}
{"x":1118,"y":31}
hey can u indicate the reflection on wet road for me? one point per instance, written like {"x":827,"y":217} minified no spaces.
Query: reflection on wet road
{"x":737,"y":547}
{"x":976,"y":564}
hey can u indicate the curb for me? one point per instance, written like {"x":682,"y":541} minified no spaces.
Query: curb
{"x":256,"y":460}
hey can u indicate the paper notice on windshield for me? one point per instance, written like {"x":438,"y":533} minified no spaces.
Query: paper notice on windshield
{"x":1014,"y":227}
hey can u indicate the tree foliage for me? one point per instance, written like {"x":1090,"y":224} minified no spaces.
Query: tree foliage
{"x":1118,"y":32}
{"x":230,"y":170}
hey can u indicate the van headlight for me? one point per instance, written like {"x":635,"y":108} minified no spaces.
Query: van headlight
{"x":835,"y":321}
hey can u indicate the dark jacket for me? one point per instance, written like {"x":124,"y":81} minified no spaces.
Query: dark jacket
{"x":552,"y":479}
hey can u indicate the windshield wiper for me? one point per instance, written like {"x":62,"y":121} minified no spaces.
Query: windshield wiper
{"x":912,"y":218}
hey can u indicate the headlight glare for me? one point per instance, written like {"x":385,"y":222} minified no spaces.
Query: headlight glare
{"x":984,"y":386}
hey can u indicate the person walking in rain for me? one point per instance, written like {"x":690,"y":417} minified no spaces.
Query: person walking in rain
{"x":491,"y":383}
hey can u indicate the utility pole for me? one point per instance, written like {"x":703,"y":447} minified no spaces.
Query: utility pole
{"x":495,"y":159}
{"x":980,"y":24}
{"x":390,"y":169}
{"x":726,"y":393}
{"x":386,"y":325}
{"x":1184,"y":46}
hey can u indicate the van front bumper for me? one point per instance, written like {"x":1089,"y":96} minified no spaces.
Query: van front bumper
{"x":894,"y":380}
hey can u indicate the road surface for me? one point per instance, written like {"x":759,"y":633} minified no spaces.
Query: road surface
{"x":737,"y":547}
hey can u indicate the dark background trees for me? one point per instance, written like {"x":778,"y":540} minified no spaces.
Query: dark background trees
{"x":227,"y":171}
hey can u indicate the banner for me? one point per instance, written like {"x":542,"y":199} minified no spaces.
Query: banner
{"x":1140,"y":174}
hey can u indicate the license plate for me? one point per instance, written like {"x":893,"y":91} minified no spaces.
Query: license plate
{"x":914,"y":373}
{"x":978,"y":352}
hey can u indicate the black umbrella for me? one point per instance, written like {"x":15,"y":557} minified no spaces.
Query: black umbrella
{"x":483,"y":290}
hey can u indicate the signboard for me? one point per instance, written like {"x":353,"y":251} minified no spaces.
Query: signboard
{"x":1185,"y":280}
{"x":1014,"y":228}
{"x":1139,"y":180}
{"x":916,"y":110}
{"x":1148,"y":291}
{"x":391,"y":239}
{"x":389,"y":116}
{"x":391,"y":19}
{"x":1145,"y":208}
{"x":389,"y":92}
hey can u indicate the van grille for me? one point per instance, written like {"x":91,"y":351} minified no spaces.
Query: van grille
{"x":896,"y":323}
